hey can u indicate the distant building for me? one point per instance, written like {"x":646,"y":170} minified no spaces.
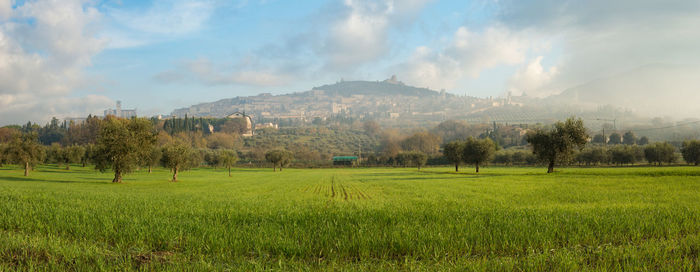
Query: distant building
{"x":248,"y":122}
{"x":119,"y":112}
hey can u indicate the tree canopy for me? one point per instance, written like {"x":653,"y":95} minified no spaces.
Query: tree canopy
{"x":121,"y":143}
{"x":691,"y":152}
{"x":659,"y":153}
{"x":25,"y":150}
{"x":279,"y":158}
{"x":227,"y":158}
{"x":178,"y":157}
{"x":478,"y":152}
{"x":558,"y":144}
{"x":453,"y":152}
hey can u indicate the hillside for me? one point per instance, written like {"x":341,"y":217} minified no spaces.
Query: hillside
{"x":378,"y":99}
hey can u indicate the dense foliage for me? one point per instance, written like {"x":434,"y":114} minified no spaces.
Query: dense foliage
{"x":558,"y":144}
{"x":691,"y":152}
{"x":122,"y":144}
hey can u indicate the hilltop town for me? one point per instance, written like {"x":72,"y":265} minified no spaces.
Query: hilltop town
{"x":379,"y":100}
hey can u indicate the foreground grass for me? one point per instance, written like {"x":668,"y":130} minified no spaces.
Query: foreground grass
{"x":352,"y":219}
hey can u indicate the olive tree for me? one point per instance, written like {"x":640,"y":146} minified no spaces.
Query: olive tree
{"x":453,"y":151}
{"x":414,"y":158}
{"x":626,"y":154}
{"x":178,"y":157}
{"x":227,"y":158}
{"x":559,"y":143}
{"x":629,"y":138}
{"x":691,"y":152}
{"x":73,"y":154}
{"x":25,"y":150}
{"x":152,"y":158}
{"x":121,"y":143}
{"x":659,"y":153}
{"x":478,"y":151}
{"x":279,"y":158}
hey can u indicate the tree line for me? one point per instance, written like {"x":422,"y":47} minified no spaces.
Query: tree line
{"x":123,"y":145}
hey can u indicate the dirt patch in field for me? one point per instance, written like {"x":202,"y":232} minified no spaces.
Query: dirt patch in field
{"x":155,"y":256}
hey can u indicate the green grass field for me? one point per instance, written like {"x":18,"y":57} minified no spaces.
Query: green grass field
{"x":352,"y":219}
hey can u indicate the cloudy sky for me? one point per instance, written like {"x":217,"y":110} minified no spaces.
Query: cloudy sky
{"x":74,"y":57}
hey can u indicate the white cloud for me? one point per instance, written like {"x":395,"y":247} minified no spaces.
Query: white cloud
{"x":42,"y":55}
{"x":162,"y":21}
{"x":601,"y":38}
{"x":466,"y":56}
{"x":532,"y":78}
{"x":5,"y":9}
{"x":361,"y":32}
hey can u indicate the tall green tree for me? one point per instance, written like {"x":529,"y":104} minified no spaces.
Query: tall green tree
{"x":615,"y":138}
{"x":558,"y":144}
{"x":453,"y":152}
{"x":691,"y":152}
{"x":121,"y":143}
{"x":227,"y":158}
{"x":478,"y":152}
{"x":25,"y":150}
{"x":629,"y":138}
{"x":178,"y":157}
{"x":279,"y":158}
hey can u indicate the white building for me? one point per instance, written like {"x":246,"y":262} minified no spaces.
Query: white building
{"x":119,"y":112}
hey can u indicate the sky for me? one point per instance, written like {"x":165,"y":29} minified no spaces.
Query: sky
{"x":70,"y":58}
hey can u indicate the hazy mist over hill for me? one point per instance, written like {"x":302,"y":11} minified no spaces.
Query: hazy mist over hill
{"x":654,"y":90}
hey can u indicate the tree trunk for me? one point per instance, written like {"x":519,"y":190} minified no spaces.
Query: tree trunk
{"x":456,"y":167}
{"x":477,"y":168}
{"x":26,"y":169}
{"x":274,"y":168}
{"x":175,"y":174}
{"x":149,"y":169}
{"x":229,"y":171}
{"x":280,"y":168}
{"x":67,"y":166}
{"x":550,"y":169}
{"x":117,"y":177}
{"x":419,"y":167}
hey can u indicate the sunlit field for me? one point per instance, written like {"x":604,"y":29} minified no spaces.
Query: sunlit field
{"x":641,"y":218}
